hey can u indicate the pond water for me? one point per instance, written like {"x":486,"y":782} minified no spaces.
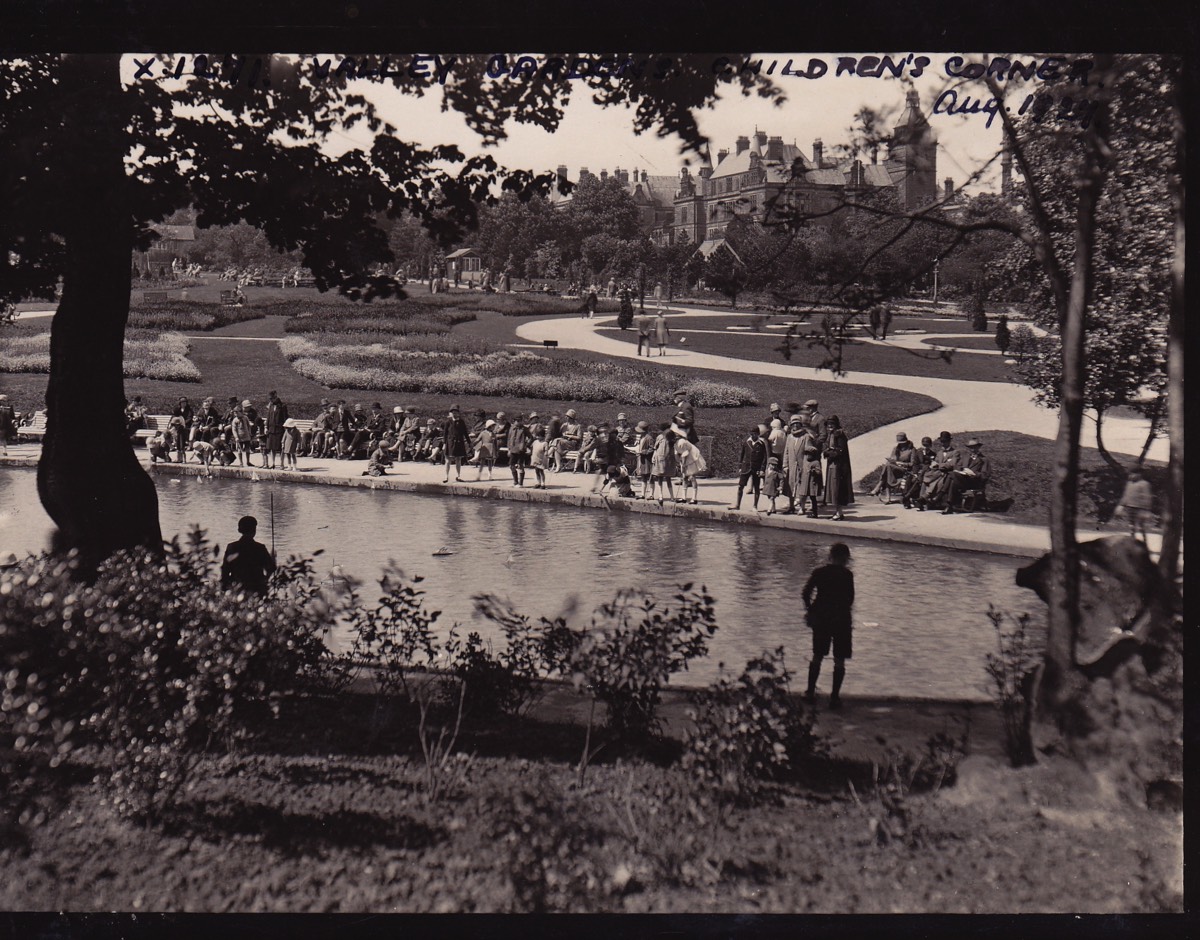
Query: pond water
{"x":920,"y":628}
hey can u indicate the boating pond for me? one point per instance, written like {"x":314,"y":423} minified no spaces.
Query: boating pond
{"x":920,"y":624}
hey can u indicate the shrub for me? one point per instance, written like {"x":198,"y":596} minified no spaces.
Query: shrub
{"x":748,"y":729}
{"x":396,"y":635}
{"x":1022,"y":341}
{"x":1014,"y":671}
{"x":153,"y":663}
{"x":507,"y":682}
{"x":633,"y":647}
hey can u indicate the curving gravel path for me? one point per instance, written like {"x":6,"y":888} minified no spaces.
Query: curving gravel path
{"x":966,"y":405}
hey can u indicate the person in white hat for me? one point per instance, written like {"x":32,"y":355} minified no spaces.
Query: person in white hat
{"x":570,"y":439}
{"x":288,"y":445}
{"x":485,"y":448}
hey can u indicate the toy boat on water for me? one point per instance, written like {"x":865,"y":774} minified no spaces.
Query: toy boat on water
{"x":442,"y":552}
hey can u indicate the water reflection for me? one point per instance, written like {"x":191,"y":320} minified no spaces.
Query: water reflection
{"x":926,"y":607}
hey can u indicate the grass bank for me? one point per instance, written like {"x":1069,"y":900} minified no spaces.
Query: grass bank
{"x":1023,"y":472}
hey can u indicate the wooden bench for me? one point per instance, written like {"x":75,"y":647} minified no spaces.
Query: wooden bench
{"x":154,"y":296}
{"x":35,"y":429}
{"x":228,"y":298}
{"x":154,"y":423}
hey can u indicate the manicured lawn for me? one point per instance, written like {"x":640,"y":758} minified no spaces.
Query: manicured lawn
{"x":1023,"y":477}
{"x":857,"y":357}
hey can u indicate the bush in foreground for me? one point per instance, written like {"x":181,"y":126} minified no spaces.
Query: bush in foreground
{"x":152,"y":663}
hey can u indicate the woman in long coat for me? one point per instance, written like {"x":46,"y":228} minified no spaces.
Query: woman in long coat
{"x":456,"y":440}
{"x":802,"y":467}
{"x":839,"y":485}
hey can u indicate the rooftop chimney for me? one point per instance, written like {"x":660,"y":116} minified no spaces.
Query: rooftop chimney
{"x":603,"y":175}
{"x":760,"y":140}
{"x":949,"y":184}
{"x":818,"y":152}
{"x":645,"y":177}
{"x":583,"y":173}
{"x":723,"y":153}
{"x":774,"y":150}
{"x":743,"y":143}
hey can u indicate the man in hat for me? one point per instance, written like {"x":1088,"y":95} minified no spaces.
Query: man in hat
{"x":276,"y":415}
{"x":776,"y":414}
{"x":247,"y":563}
{"x":935,"y":484}
{"x":828,"y":598}
{"x":816,"y":421}
{"x":973,"y":476}
{"x":517,"y":443}
{"x":353,"y":424}
{"x":407,"y":428}
{"x":456,"y":440}
{"x":644,"y":327}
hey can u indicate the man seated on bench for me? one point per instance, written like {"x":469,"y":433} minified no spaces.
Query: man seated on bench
{"x":135,"y":415}
{"x":971,"y":478}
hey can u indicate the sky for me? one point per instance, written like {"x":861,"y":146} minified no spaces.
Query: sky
{"x":603,"y":138}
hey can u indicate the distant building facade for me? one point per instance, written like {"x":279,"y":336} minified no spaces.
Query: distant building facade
{"x":764,"y":172}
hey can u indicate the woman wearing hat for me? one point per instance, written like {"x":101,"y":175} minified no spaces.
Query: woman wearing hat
{"x":289,"y":443}
{"x":801,"y":466}
{"x":839,"y":485}
{"x":898,"y":468}
{"x":455,"y":441}
{"x":643,"y":448}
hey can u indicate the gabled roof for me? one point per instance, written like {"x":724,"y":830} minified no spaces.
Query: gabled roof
{"x":179,"y":233}
{"x":660,"y":189}
{"x":710,"y":245}
{"x":461,"y":252}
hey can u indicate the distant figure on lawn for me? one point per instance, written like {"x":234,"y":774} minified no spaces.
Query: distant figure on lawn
{"x":247,"y":563}
{"x":828,"y":616}
{"x":1137,"y":503}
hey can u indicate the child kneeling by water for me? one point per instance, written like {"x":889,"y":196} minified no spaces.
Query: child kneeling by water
{"x":618,"y":479}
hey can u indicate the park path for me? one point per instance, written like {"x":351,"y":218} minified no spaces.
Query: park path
{"x":966,"y":405}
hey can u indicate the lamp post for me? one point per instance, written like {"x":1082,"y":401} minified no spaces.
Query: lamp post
{"x":936,"y":262}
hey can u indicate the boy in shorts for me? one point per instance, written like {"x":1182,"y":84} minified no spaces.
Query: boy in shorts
{"x":828,"y":616}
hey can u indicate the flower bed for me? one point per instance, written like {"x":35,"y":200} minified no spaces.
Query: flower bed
{"x":404,"y":317}
{"x":188,"y":315}
{"x":500,"y":374}
{"x":148,"y":354}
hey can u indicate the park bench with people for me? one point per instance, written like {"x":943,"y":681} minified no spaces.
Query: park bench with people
{"x":33,"y":426}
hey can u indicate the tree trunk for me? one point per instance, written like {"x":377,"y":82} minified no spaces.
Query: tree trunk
{"x":1060,"y":680}
{"x":1172,"y":515}
{"x":1104,"y":453}
{"x":89,"y":480}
